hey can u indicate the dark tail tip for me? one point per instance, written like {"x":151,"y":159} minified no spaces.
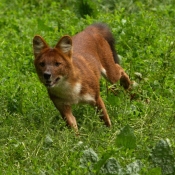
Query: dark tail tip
{"x":107,"y":34}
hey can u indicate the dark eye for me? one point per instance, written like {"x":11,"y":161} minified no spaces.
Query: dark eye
{"x":42,"y":64}
{"x":57,"y":64}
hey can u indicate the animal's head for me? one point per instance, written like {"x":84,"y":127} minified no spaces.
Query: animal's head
{"x":52,"y":64}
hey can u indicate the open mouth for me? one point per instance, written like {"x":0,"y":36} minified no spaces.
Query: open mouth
{"x":49,"y":84}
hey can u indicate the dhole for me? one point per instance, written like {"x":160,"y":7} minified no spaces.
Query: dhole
{"x":71,"y":70}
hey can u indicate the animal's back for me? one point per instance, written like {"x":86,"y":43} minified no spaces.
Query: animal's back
{"x":96,"y":45}
{"x":89,"y":38}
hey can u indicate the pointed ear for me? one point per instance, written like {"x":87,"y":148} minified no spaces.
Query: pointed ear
{"x":65,"y":45}
{"x":38,"y":45}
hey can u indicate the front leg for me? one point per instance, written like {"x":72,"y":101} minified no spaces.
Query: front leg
{"x":66,"y":112}
{"x":103,"y":112}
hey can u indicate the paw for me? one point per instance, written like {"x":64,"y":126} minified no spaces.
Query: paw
{"x":125,"y":81}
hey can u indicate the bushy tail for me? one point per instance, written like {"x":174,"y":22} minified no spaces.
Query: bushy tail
{"x":104,"y":30}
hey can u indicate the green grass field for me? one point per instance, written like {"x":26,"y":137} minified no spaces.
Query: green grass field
{"x":34,"y":139}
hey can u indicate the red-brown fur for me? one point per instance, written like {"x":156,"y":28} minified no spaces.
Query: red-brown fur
{"x":71,"y":70}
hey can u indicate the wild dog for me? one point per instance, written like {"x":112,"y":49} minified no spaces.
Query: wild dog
{"x":71,"y":70}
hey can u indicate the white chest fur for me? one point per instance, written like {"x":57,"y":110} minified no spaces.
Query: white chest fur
{"x":71,"y":94}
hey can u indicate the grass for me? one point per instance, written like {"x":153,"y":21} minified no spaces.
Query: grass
{"x":34,"y":138}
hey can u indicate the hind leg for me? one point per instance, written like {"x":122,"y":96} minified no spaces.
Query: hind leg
{"x":109,"y":69}
{"x":123,"y":77}
{"x":114,"y":72}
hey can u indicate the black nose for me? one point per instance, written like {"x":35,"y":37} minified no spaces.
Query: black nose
{"x":47,"y":75}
